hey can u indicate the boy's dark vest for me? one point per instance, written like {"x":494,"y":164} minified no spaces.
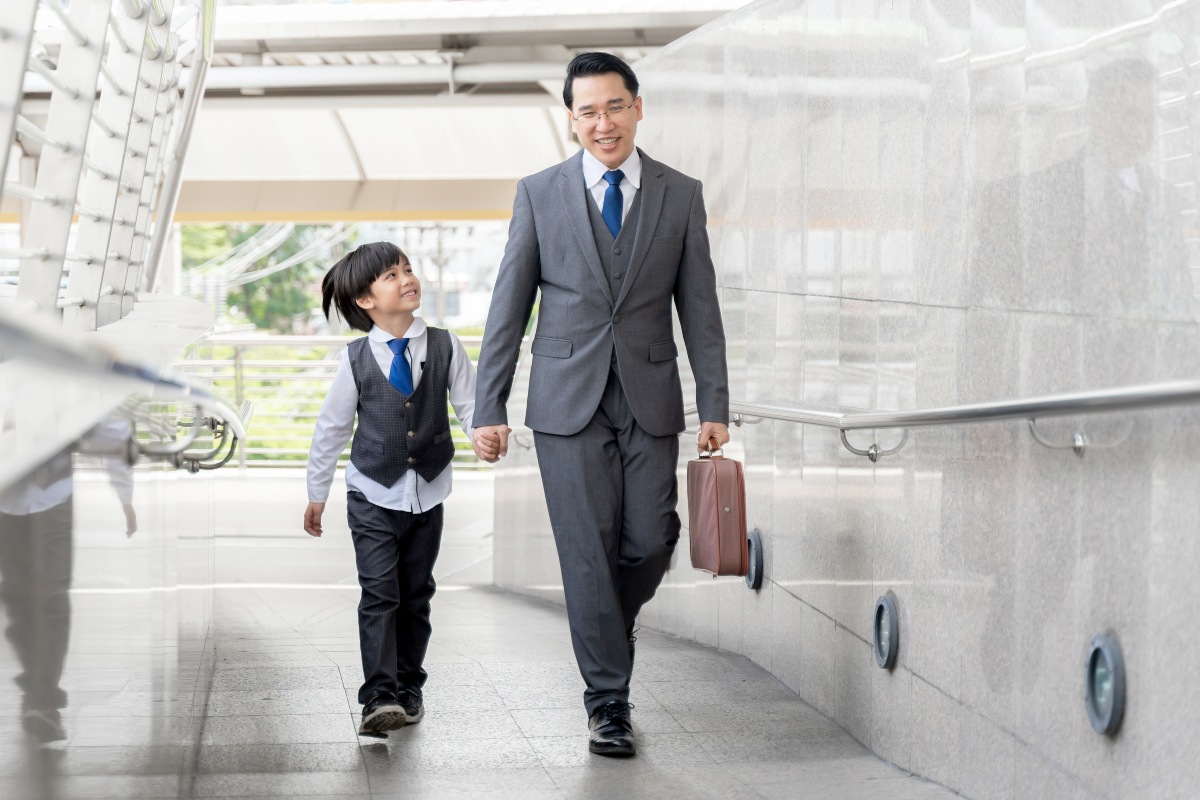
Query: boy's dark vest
{"x":397,"y":433}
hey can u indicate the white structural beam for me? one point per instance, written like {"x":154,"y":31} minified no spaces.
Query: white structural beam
{"x":173,"y":169}
{"x":59,"y":169}
{"x":16,"y":34}
{"x":437,"y":26}
{"x":164,"y":118}
{"x":349,"y":76}
{"x":102,"y":184}
{"x":136,"y":168}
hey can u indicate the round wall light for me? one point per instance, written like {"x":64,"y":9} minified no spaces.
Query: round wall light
{"x":1105,"y":685}
{"x":887,"y":632}
{"x":754,"y":572}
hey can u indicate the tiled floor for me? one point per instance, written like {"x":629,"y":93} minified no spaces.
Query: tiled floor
{"x":504,"y":700}
{"x":504,"y":713}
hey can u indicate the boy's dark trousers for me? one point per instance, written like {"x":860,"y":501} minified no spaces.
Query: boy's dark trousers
{"x":35,"y":581}
{"x":395,"y":551}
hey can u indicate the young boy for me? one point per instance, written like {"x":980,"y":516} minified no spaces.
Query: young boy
{"x":395,"y":379}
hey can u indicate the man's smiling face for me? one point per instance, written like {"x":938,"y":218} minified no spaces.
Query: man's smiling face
{"x":610,"y":137}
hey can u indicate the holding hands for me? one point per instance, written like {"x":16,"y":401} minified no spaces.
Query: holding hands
{"x":491,"y":442}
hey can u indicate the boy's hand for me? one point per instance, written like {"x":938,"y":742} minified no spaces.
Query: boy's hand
{"x":491,"y":442}
{"x":312,"y":518}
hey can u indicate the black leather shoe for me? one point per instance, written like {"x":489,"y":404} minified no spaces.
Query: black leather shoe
{"x":611,"y":730}
{"x":381,"y":714}
{"x":414,"y":707}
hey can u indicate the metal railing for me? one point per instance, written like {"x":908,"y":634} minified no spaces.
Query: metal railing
{"x":212,"y":427}
{"x":286,"y":378}
{"x":1153,"y":395}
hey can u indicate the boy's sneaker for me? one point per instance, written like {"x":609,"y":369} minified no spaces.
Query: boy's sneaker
{"x":413,"y":706}
{"x":44,"y":724}
{"x":380,"y":715}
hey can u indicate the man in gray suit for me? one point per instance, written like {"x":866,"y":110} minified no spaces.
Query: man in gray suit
{"x":610,"y":237}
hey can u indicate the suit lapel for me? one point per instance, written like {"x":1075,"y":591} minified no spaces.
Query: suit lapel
{"x":653,"y":189}
{"x":575,"y":196}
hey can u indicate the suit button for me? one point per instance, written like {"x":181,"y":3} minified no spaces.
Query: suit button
{"x":616,"y":318}
{"x":411,"y":434}
{"x":408,"y":405}
{"x":617,"y":277}
{"x":411,"y":459}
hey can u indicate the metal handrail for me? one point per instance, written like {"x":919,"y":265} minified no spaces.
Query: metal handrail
{"x":287,"y":389}
{"x":48,"y":346}
{"x":1151,"y":395}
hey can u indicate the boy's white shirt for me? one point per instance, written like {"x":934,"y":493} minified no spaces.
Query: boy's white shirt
{"x":335,"y":424}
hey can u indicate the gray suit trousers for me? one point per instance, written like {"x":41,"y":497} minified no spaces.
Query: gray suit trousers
{"x":611,"y":490}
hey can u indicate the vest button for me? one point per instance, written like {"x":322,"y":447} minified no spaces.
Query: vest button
{"x":617,"y":277}
{"x":616,"y":318}
{"x":408,"y":405}
{"x":411,"y":434}
{"x":617,"y":251}
{"x":411,"y":459}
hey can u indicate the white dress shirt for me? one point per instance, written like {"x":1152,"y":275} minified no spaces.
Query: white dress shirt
{"x":28,"y":496}
{"x":593,"y":178}
{"x":32,"y":494}
{"x":335,"y":424}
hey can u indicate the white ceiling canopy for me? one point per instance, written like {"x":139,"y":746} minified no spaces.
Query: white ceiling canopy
{"x":394,"y":110}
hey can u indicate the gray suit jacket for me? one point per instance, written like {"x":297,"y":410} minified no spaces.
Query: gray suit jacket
{"x":551,"y":247}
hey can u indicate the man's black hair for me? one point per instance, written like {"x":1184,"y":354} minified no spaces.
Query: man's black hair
{"x":351,"y":278}
{"x":586,"y":65}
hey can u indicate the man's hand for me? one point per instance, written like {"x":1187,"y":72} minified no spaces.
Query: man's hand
{"x":312,"y":518}
{"x":491,"y":442}
{"x":712,"y":430}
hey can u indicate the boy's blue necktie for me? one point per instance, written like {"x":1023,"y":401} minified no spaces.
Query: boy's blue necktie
{"x":613,"y":201}
{"x":401,"y":374}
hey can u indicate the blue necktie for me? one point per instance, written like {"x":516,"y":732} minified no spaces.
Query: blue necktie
{"x":613,"y":201}
{"x":401,"y":375}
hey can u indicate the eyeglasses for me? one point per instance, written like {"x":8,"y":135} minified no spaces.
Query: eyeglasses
{"x":613,"y":112}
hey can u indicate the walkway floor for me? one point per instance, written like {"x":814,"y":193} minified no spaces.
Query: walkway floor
{"x":504,"y":716}
{"x":504,"y":700}
{"x":504,"y":712}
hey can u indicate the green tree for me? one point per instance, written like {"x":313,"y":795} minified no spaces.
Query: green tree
{"x":202,"y":243}
{"x":274,"y":302}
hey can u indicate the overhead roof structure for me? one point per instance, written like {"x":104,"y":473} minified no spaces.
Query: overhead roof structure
{"x":397,"y":110}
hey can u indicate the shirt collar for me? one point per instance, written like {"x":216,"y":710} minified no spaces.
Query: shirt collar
{"x":593,"y":170}
{"x":378,"y":334}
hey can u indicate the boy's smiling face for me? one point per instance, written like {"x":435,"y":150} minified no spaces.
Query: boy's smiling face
{"x":395,"y":294}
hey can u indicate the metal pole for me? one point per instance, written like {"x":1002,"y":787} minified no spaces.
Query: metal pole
{"x":239,"y":393}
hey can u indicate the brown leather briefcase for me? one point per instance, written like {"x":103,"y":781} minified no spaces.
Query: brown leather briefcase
{"x":716,"y":492}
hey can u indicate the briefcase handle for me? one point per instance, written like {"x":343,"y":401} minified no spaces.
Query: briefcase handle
{"x":713,"y":452}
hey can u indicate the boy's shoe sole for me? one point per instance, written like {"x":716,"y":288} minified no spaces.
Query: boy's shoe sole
{"x":385,"y":718}
{"x":45,"y":727}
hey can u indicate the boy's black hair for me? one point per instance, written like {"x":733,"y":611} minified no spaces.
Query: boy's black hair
{"x":351,"y":278}
{"x":586,"y":65}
